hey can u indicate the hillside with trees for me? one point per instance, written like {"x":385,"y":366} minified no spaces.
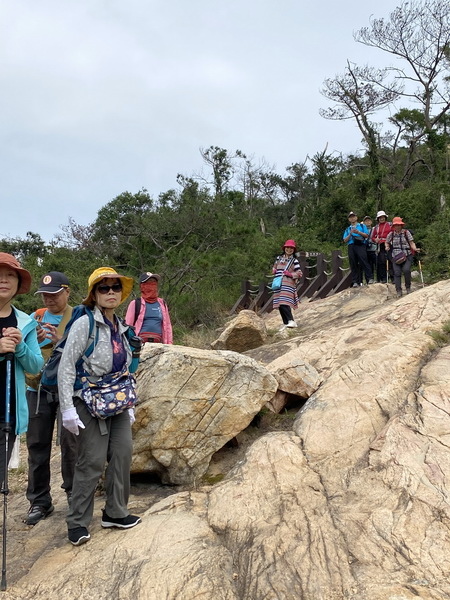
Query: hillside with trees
{"x":227,"y":221}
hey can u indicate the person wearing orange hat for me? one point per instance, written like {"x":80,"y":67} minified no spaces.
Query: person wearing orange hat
{"x":285,"y":298}
{"x":400,"y":245}
{"x":102,"y":440}
{"x":18,"y":337}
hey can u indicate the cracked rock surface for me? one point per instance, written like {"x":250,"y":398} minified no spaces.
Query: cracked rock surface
{"x":352,"y":504}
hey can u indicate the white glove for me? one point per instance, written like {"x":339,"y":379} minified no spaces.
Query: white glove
{"x":131,"y":415}
{"x":71,"y":421}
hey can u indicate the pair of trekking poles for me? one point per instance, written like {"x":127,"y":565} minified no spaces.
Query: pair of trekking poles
{"x":5,"y":489}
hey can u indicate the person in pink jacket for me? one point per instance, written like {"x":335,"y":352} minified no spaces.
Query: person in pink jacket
{"x":149,"y":314}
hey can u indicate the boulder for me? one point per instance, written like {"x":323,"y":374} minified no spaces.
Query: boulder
{"x":191,"y":403}
{"x":243,"y":333}
{"x":294,"y":374}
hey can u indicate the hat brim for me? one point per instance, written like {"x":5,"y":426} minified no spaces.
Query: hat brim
{"x":52,"y":290}
{"x":144,"y":277}
{"x":127,"y":285}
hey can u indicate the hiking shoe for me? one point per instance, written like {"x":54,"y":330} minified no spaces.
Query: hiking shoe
{"x":37,"y":513}
{"x":78,"y":536}
{"x":408,"y":290}
{"x":121,"y":523}
{"x":292,"y":324}
{"x":399,"y":294}
{"x":355,"y":285}
{"x":370,"y":282}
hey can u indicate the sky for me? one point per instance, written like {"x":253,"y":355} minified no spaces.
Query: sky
{"x":99,"y":97}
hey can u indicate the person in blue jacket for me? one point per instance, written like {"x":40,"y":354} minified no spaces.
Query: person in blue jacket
{"x":355,"y":237}
{"x":18,"y":337}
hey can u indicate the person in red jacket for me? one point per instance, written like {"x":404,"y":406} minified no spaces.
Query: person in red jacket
{"x":378,"y":235}
{"x":149,"y":314}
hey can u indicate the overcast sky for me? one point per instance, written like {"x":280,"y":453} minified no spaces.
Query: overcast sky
{"x":99,"y":97}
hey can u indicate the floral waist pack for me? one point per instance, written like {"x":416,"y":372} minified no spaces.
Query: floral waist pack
{"x":109,"y":395}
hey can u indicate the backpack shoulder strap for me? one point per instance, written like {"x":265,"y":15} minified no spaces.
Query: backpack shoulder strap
{"x":93,"y":335}
{"x":137,"y":309}
{"x":67,"y":315}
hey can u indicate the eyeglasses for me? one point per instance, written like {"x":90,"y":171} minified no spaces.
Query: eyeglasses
{"x":104,"y":289}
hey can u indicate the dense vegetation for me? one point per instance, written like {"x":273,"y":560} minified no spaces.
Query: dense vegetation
{"x":227,"y":222}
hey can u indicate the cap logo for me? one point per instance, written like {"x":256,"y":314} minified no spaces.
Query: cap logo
{"x":47,"y":279}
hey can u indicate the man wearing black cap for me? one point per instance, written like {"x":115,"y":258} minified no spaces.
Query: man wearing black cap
{"x":355,"y":237}
{"x":43,"y":404}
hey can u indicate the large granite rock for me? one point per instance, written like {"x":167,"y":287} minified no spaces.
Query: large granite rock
{"x":244,"y":332}
{"x":191,"y":403}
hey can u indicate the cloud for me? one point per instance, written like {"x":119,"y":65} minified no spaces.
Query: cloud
{"x":104,"y":96}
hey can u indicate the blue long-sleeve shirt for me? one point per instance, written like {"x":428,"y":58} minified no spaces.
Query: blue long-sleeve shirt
{"x":355,"y":235}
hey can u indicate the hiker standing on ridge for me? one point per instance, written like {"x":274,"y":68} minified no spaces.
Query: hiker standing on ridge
{"x":287,"y":266}
{"x":355,"y":237}
{"x":149,"y":314}
{"x":17,"y":337}
{"x":43,"y":404}
{"x":379,"y":235}
{"x":371,"y":247}
{"x":102,"y":439}
{"x":401,"y":243}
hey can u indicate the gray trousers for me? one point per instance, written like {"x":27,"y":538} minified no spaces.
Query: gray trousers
{"x":101,"y":441}
{"x":405,"y":269}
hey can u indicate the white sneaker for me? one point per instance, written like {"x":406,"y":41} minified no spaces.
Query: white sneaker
{"x":292,"y":324}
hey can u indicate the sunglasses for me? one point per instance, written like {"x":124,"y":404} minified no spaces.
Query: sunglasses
{"x":104,"y":289}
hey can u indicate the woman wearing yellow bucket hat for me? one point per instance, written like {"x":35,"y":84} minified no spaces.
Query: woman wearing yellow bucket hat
{"x":104,"y":437}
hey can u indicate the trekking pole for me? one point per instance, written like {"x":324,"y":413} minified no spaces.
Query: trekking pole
{"x":5,"y":491}
{"x":387,"y":275}
{"x":420,"y":271}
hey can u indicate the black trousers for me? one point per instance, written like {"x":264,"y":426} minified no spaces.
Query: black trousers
{"x":286,"y":313}
{"x":372,"y":260}
{"x":39,"y":444}
{"x":382,"y":267}
{"x":357,"y":256}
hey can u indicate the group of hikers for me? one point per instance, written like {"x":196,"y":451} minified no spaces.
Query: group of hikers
{"x":92,"y":397}
{"x":92,"y":400}
{"x":385,"y":250}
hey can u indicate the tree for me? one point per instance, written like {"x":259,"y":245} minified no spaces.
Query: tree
{"x":357,"y":94}
{"x":417,"y":33}
{"x":221,"y":163}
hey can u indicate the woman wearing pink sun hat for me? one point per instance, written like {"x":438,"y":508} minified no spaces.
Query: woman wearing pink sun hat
{"x":285,"y":298}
